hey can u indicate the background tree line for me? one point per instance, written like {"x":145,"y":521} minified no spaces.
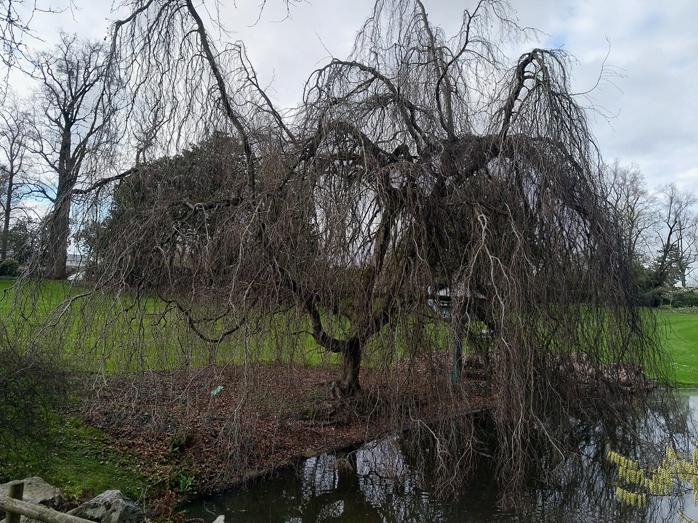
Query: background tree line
{"x":660,"y":229}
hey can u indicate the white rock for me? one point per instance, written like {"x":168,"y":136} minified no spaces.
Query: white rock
{"x":110,"y":506}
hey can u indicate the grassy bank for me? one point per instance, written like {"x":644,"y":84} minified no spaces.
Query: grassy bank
{"x":79,"y":459}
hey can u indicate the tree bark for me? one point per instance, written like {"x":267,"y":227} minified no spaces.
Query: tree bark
{"x":351,"y":366}
{"x":8,"y":210}
{"x":57,"y":248}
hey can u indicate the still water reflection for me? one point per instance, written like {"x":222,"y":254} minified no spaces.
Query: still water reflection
{"x":380,"y":482}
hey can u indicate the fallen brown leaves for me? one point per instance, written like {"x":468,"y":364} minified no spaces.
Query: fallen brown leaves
{"x":182,"y":425}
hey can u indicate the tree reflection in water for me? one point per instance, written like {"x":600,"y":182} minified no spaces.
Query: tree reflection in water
{"x":391,"y":479}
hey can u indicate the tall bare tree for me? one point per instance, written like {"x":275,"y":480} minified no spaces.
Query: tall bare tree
{"x":635,"y":207}
{"x":14,"y":144}
{"x":13,"y":27}
{"x":676,"y":236}
{"x":72,"y":127}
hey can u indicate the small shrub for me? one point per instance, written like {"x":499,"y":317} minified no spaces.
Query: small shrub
{"x":183,"y":482}
{"x":9,"y":267}
{"x":668,"y":477}
{"x":32,"y":387}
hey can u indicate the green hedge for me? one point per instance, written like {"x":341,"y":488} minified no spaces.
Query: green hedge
{"x":9,"y":267}
{"x":669,"y":297}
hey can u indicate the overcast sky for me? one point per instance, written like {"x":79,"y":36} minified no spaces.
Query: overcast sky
{"x":645,"y":112}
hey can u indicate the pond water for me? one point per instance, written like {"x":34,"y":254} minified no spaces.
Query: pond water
{"x":380,"y":482}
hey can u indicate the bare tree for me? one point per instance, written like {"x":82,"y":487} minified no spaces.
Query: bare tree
{"x":422,"y":162}
{"x":627,"y":193}
{"x":72,"y":127}
{"x":14,"y":143}
{"x":676,"y":236}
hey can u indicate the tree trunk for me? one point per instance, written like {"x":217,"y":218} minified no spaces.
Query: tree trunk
{"x":8,"y":210}
{"x":58,"y":230}
{"x":351,"y":365}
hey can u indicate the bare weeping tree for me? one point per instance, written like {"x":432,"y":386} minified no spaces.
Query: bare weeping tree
{"x":71,"y":128}
{"x":426,"y":175}
{"x":423,"y":163}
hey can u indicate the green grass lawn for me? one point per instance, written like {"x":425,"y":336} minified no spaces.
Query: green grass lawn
{"x":680,"y":339}
{"x":80,"y":459}
{"x":132,"y":343}
{"x":104,"y":332}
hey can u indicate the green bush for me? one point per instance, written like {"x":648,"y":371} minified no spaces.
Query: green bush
{"x":32,"y":386}
{"x":669,"y":297}
{"x":685,"y":298}
{"x":9,"y":267}
{"x":655,"y":297}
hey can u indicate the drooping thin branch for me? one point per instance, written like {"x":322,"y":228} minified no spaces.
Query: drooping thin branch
{"x":223,"y":90}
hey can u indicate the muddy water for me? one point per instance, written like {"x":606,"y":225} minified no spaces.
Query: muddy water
{"x":380,"y":482}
